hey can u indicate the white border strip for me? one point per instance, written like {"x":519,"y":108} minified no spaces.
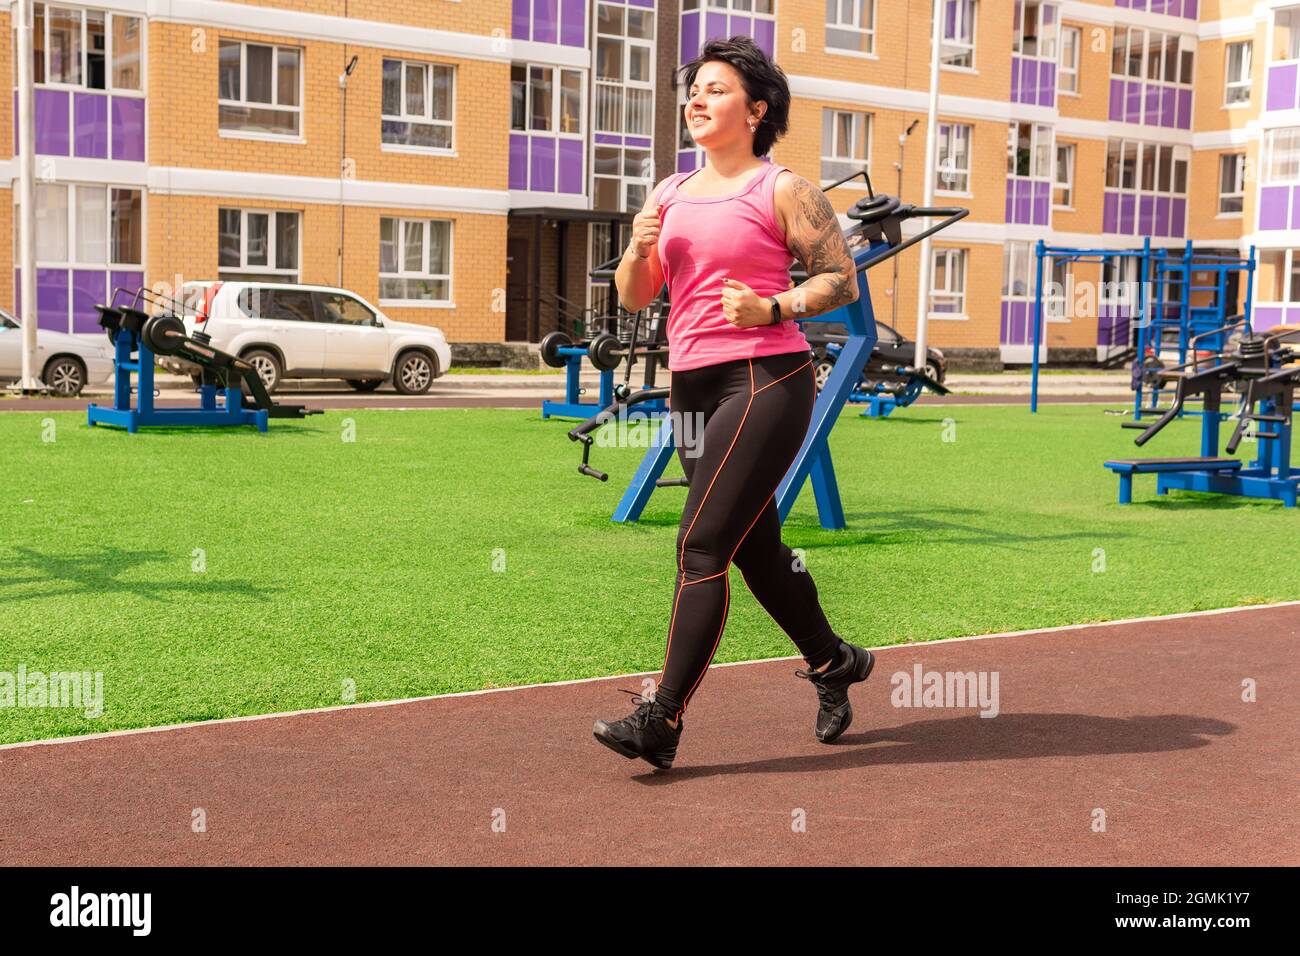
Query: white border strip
{"x":591,"y":680}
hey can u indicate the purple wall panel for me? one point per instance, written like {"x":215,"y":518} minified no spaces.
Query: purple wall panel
{"x":518,"y":160}
{"x":519,"y":19}
{"x":128,"y":128}
{"x":1028,"y":81}
{"x":639,"y":141}
{"x":90,"y":125}
{"x":609,"y":139}
{"x":1265,"y":319}
{"x":1151,"y":116}
{"x":1184,"y":109}
{"x":741,"y":25}
{"x":1011,"y":201}
{"x":1295,"y":208}
{"x":1178,"y":217}
{"x":690,"y":42}
{"x":1146,"y":215}
{"x":1024,"y":201}
{"x":685,"y":161}
{"x":545,"y":27}
{"x":648,"y":4}
{"x":88,"y":290}
{"x":131,"y":279}
{"x":1190,"y":9}
{"x":1047,"y":84}
{"x":1002,"y":334}
{"x":765,"y":36}
{"x":52,"y":299}
{"x":1042,"y":203}
{"x":541,"y":166}
{"x":1281,"y":87}
{"x":1162,"y":216}
{"x":1110,"y":212}
{"x":573,"y":29}
{"x":1132,"y":101}
{"x":1019,"y":323}
{"x":52,"y":122}
{"x":1293,"y":316}
{"x":1169,"y":106}
{"x":1126,"y":204}
{"x":1015,"y":79}
{"x":1273,"y":202}
{"x":571,"y":166}
{"x":715,"y":25}
{"x":1117,"y":100}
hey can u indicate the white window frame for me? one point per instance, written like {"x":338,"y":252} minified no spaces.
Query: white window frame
{"x":1272,"y":33}
{"x":557,"y":100}
{"x":1186,"y":44}
{"x":958,"y":48}
{"x":427,"y":248}
{"x":1056,"y":309}
{"x":270,"y":269}
{"x":109,"y":86}
{"x":1178,"y":153}
{"x":948,"y":292}
{"x":624,"y":181}
{"x":1018,"y":37}
{"x":1240,"y":182}
{"x":1289,"y":265}
{"x":298,"y":137}
{"x":940,"y":170}
{"x":1270,"y":143}
{"x":865,"y":162}
{"x":1231,"y":84}
{"x":1072,"y":69}
{"x":427,"y":119}
{"x":1035,"y":142}
{"x":1067,"y":185}
{"x":70,"y":260}
{"x":853,"y":27}
{"x":625,"y":82}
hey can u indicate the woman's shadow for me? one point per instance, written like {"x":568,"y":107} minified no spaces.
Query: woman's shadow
{"x":973,"y":738}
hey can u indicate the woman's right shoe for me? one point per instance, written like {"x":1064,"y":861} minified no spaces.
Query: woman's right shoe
{"x":835,"y":713}
{"x":644,"y":733}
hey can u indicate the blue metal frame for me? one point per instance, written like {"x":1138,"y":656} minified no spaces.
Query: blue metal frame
{"x":123,"y":415}
{"x":813,"y":460}
{"x":573,"y":406}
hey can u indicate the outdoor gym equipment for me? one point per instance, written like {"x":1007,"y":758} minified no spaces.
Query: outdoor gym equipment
{"x":1269,"y":377}
{"x":1163,"y":308}
{"x":875,"y":237}
{"x":886,"y":387}
{"x":606,"y":351}
{"x":134,"y":332}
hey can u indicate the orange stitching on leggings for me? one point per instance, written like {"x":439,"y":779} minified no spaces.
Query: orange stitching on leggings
{"x":788,"y":374}
{"x":681,"y":554}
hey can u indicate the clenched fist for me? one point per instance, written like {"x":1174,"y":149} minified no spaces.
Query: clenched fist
{"x":742,"y":306}
{"x":645,"y":231}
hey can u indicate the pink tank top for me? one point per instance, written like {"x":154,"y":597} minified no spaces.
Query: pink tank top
{"x":702,"y":240}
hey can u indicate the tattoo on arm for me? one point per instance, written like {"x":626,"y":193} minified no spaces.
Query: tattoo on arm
{"x":815,"y":238}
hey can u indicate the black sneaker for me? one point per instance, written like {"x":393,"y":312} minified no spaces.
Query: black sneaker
{"x":644,"y":733}
{"x":836,"y":713}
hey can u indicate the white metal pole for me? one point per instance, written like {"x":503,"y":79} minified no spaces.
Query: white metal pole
{"x":27,"y":196}
{"x":931,"y":160}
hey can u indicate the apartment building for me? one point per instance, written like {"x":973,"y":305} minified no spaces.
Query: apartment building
{"x":480,"y":159}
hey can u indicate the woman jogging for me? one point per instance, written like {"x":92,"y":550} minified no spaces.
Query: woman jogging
{"x":724,"y":237}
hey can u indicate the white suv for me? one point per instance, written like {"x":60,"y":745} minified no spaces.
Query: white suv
{"x":312,"y":331}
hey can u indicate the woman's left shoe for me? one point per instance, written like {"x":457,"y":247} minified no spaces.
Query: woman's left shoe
{"x":644,"y":733}
{"x":835,"y":712}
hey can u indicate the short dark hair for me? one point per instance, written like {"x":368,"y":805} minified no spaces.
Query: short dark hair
{"x":762,"y":79}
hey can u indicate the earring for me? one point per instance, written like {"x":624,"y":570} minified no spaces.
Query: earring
{"x":752,"y":128}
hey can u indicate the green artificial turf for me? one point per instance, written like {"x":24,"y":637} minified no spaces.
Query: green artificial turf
{"x":372,"y":561}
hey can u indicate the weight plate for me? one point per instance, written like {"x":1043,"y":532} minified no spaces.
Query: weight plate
{"x":605,"y":352}
{"x":551,"y":344}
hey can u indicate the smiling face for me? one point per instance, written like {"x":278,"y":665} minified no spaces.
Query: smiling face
{"x":717,"y":107}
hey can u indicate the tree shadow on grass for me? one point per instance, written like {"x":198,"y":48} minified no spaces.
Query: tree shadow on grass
{"x":972,"y":738}
{"x":71,"y":575}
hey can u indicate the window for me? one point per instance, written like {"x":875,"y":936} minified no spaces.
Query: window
{"x":626,"y":169}
{"x":417,"y":104}
{"x":534,"y":107}
{"x":948,"y":283}
{"x":952,"y":173}
{"x":1018,"y":271}
{"x":91,"y":49}
{"x":342,"y":309}
{"x":1029,"y":150}
{"x":1152,"y":55}
{"x":1236,"y":84}
{"x":286,"y":305}
{"x":851,"y":25}
{"x":257,"y":243}
{"x":958,"y":46}
{"x":624,"y":75}
{"x":1286,"y":34}
{"x":414,"y":260}
{"x":1058,"y":288}
{"x":1232,"y":183}
{"x":1067,"y":76}
{"x":1148,"y":168}
{"x":846,"y":143}
{"x":1279,"y":276}
{"x":259,"y":89}
{"x":83,"y":225}
{"x":1063,"y":184}
{"x":1035,"y":29}
{"x":1282,"y":155}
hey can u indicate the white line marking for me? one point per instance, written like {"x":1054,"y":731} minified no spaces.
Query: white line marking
{"x":591,"y":680}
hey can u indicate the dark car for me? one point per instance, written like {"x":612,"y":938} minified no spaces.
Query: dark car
{"x":891,"y":351}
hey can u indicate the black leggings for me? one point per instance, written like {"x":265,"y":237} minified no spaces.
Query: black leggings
{"x":755,"y":414}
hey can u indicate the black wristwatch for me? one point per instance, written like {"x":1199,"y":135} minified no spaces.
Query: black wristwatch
{"x":776,"y":310}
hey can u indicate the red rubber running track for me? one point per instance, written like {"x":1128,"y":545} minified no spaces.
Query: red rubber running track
{"x":1142,"y":721}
